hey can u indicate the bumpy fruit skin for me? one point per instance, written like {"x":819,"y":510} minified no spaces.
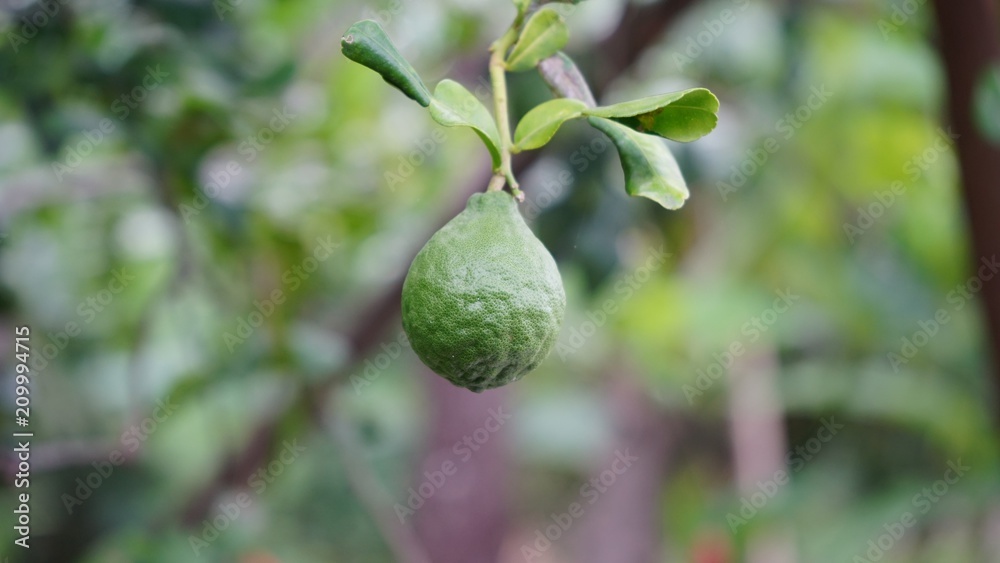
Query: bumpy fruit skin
{"x":483,"y":301}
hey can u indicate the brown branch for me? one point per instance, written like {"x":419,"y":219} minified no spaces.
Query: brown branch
{"x":235,"y":471}
{"x":53,"y":456}
{"x":640,"y":26}
{"x":969,"y":43}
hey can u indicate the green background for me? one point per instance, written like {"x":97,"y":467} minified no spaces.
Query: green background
{"x":262,"y":197}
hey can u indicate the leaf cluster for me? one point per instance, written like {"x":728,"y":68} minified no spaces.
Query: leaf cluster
{"x":634,"y":127}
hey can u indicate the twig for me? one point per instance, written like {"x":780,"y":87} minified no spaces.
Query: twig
{"x":498,"y":78}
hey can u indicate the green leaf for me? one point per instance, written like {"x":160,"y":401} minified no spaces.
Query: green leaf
{"x":987,"y":104}
{"x":454,"y":106}
{"x":366,"y":43}
{"x":680,"y":116}
{"x":542,"y":36}
{"x":522,"y":5}
{"x":650,"y":168}
{"x":538,"y":125}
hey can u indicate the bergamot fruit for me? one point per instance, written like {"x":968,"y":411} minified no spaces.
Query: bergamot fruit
{"x":483,"y":301}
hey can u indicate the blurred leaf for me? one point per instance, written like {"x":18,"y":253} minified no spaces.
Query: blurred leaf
{"x":680,"y":116}
{"x":988,"y":104}
{"x":650,"y":169}
{"x":541,"y":123}
{"x":543,"y":35}
{"x":273,"y":81}
{"x":366,"y":43}
{"x":565,"y":79}
{"x":521,"y":5}
{"x":454,"y":106}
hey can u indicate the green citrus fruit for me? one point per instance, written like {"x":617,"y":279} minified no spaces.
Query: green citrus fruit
{"x":483,"y":300}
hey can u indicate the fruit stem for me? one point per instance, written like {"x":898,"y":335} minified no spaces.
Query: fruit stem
{"x":496,"y":182}
{"x":498,"y":78}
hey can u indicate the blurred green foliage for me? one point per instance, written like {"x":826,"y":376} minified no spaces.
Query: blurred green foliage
{"x":256,"y":139}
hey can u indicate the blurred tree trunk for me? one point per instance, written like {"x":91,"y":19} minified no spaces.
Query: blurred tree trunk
{"x":757,"y":433}
{"x":465,"y":518}
{"x":969,"y":43}
{"x":624,"y":523}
